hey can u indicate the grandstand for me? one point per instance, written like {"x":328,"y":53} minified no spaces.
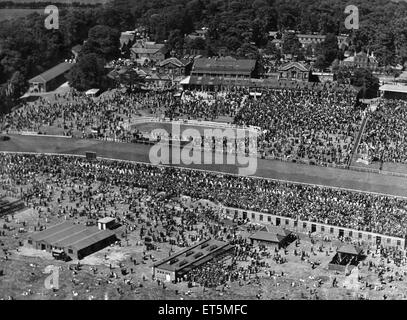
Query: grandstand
{"x":190,"y":258}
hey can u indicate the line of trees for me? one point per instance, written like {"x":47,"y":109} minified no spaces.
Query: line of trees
{"x":235,"y":27}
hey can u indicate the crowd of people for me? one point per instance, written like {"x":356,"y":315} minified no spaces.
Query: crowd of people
{"x":315,"y":126}
{"x":205,"y":105}
{"x":298,"y":125}
{"x":386,"y":132}
{"x":76,"y":114}
{"x":357,"y":210}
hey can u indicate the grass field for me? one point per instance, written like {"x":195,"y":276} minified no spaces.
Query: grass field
{"x":6,"y":14}
{"x":363,"y":181}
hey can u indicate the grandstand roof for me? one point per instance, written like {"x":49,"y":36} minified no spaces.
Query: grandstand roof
{"x":393,"y":88}
{"x":224,"y":65}
{"x":67,"y":234}
{"x":53,"y":72}
{"x":350,"y":249}
{"x":193,"y":256}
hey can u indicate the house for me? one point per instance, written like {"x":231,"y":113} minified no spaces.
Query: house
{"x":175,"y":67}
{"x":361,"y":60}
{"x":307,"y":39}
{"x":271,"y":235}
{"x":50,"y":79}
{"x":296,"y":71}
{"x":314,"y":39}
{"x":147,"y":50}
{"x":227,"y":67}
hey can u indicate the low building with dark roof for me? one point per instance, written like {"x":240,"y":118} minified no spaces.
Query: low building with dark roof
{"x":182,"y":262}
{"x":73,"y":240}
{"x":50,"y":79}
{"x":271,"y":235}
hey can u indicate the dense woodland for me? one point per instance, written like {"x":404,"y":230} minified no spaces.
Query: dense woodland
{"x":238,"y":26}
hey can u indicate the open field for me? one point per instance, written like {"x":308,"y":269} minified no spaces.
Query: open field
{"x":6,"y":14}
{"x":364,"y":181}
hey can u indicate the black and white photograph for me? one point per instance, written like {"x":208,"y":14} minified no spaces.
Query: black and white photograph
{"x":214,"y":150}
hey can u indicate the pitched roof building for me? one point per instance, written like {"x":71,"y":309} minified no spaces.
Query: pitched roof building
{"x":149,"y":50}
{"x":74,"y":240}
{"x":50,"y":79}
{"x":296,"y":71}
{"x":272,"y":235}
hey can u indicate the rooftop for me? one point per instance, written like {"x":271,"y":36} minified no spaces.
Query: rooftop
{"x":193,"y":256}
{"x":53,"y":72}
{"x":221,"y":65}
{"x":67,"y":234}
{"x":297,"y":65}
{"x":270,"y":233}
{"x":350,"y":249}
{"x":393,"y":88}
{"x":106,"y":220}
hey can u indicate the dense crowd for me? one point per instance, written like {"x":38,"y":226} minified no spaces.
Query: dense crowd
{"x":78,"y":115}
{"x":356,"y":210}
{"x":316,"y":126}
{"x":205,"y":106}
{"x":298,"y":125}
{"x":386,"y":132}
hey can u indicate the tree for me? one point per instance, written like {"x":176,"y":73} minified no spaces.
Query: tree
{"x":291,"y":44}
{"x":248,"y":51}
{"x":103,"y":41}
{"x":272,"y":49}
{"x":175,"y":42}
{"x":328,"y":52}
{"x":364,"y":79}
{"x":89,"y":72}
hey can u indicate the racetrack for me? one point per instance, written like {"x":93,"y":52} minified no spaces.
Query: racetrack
{"x":363,"y":181}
